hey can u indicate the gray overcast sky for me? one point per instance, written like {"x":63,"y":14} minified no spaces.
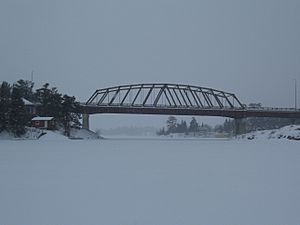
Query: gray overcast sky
{"x":251,"y":48}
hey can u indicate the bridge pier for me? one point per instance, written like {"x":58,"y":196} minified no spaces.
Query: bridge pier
{"x":86,"y":121}
{"x":240,"y":126}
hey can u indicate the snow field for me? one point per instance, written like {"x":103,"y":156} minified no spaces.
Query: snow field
{"x":123,"y":181}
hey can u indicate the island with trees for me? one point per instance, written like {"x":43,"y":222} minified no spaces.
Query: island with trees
{"x":17,"y":100}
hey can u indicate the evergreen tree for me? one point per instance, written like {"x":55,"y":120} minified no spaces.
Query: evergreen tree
{"x":229,"y":126}
{"x":69,"y":116}
{"x":17,"y":118}
{"x":51,"y":102}
{"x":25,"y":88}
{"x":171,"y":124}
{"x":194,"y":126}
{"x":181,"y":127}
{"x":207,"y":127}
{"x":185,"y":127}
{"x":5,"y":94}
{"x":161,"y":132}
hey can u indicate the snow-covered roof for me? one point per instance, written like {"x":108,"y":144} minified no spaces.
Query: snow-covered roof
{"x":44,"y":118}
{"x":26,"y":102}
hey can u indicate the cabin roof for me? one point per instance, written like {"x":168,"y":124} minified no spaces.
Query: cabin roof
{"x":42,"y":118}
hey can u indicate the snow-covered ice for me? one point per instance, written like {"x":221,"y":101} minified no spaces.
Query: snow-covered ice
{"x":150,"y":181}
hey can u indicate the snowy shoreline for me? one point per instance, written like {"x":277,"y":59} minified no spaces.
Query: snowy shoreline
{"x":291,"y":132}
{"x":40,"y":134}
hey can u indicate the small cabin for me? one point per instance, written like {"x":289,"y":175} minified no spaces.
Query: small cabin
{"x":47,"y":123}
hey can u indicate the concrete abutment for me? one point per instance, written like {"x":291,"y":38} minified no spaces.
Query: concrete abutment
{"x":240,"y":126}
{"x":86,"y":121}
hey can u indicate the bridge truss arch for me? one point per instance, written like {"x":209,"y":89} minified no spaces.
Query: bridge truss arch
{"x":162,"y":95}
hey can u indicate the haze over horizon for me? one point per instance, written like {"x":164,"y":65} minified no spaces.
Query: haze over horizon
{"x":250,"y":48}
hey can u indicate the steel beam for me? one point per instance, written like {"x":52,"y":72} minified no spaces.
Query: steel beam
{"x":115,"y":95}
{"x":137,"y":94}
{"x":171,"y":96}
{"x":199,"y":100}
{"x":128,"y":90}
{"x":144,"y":102}
{"x":167,"y":97}
{"x":158,"y":96}
{"x":207,"y":99}
{"x":91,"y":99}
{"x":182,"y":96}
{"x":188,"y":98}
{"x":102,"y":97}
{"x":229,"y":102}
{"x":177,"y":96}
{"x":194,"y":97}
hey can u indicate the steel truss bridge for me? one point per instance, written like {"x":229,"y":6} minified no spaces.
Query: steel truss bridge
{"x":175,"y":99}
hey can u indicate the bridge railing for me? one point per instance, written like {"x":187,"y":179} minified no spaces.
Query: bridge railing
{"x":272,"y":109}
{"x":162,"y":106}
{"x":195,"y":107}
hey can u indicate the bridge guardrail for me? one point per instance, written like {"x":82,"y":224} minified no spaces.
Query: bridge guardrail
{"x":204,"y":108}
{"x":162,"y":106}
{"x":272,"y":109}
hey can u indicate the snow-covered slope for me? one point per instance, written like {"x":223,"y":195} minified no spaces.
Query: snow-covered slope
{"x":291,"y":132}
{"x":30,"y":134}
{"x":53,"y":135}
{"x":35,"y":133}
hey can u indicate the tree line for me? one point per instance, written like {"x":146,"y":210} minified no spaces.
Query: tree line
{"x":49,"y":102}
{"x":255,"y":124}
{"x":173,"y":126}
{"x":228,"y":127}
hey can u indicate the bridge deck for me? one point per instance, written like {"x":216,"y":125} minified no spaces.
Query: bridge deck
{"x":222,"y":112}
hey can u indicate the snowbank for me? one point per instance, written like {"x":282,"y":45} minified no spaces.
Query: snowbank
{"x":83,"y":134}
{"x":30,"y":134}
{"x":291,"y":132}
{"x":193,"y":136}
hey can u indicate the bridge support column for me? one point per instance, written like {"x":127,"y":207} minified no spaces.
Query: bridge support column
{"x":240,"y":126}
{"x":86,"y":121}
{"x":293,"y":121}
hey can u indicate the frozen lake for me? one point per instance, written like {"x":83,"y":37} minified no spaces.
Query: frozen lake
{"x":149,"y":182}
